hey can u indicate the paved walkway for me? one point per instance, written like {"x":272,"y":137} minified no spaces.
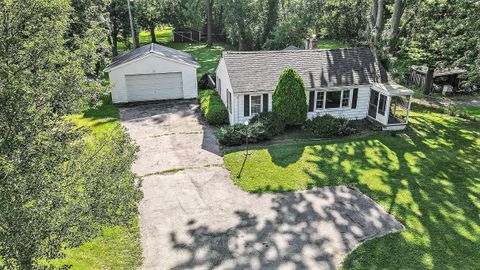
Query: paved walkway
{"x":193,"y":217}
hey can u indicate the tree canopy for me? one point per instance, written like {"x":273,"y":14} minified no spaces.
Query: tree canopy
{"x":57,"y":188}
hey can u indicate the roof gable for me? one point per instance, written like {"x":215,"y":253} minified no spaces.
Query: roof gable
{"x":152,"y":48}
{"x":256,"y":71}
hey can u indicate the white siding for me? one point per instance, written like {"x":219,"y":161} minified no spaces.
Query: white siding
{"x":151,"y":64}
{"x":240,"y":118}
{"x":359,"y":113}
{"x":224,"y":86}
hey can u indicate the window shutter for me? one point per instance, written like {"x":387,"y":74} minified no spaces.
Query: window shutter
{"x":354,"y":98}
{"x":246,"y":105}
{"x":265,"y":102}
{"x":311,"y":101}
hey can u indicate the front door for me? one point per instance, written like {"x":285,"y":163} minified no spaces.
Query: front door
{"x":372,"y":107}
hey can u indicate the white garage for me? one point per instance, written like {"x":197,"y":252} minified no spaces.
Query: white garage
{"x":153,"y":72}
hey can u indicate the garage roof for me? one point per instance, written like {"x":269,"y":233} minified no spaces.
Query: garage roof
{"x":153,"y":48}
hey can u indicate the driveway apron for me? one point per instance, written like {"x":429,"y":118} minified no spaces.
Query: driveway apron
{"x":193,"y":217}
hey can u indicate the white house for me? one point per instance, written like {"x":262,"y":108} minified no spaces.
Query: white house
{"x":349,"y":83}
{"x":153,"y":72}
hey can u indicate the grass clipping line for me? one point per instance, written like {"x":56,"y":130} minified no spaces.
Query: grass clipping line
{"x":176,"y":170}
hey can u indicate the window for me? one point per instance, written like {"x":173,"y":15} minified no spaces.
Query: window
{"x":382,"y":104}
{"x":333,"y":99}
{"x":229,"y":101}
{"x":320,"y":98}
{"x":255,"y":105}
{"x":346,"y":98}
{"x":219,"y":85}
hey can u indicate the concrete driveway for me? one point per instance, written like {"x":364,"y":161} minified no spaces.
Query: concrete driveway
{"x":193,"y":217}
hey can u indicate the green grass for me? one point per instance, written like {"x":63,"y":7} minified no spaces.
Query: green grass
{"x":331,"y":44}
{"x":471,"y":111}
{"x":427,"y":177}
{"x":117,"y":248}
{"x":100,"y":119}
{"x":207,"y":57}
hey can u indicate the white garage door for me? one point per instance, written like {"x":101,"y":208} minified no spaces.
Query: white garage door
{"x":156,"y":86}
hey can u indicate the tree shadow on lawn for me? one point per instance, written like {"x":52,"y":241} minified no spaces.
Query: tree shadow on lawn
{"x":282,"y":156}
{"x":427,"y":177}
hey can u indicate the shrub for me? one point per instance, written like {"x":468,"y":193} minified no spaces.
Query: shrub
{"x":262,"y":127}
{"x":231,"y":135}
{"x":328,"y":126}
{"x":289,"y":101}
{"x":212,"y":107}
{"x":271,"y":121}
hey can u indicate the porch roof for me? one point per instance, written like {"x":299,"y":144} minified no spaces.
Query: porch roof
{"x":393,"y":89}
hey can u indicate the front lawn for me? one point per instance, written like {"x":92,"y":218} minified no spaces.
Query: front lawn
{"x":427,"y":177}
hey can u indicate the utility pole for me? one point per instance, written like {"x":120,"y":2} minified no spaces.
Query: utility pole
{"x":134,"y":37}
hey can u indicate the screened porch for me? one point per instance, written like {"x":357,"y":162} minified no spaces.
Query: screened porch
{"x":389,"y":105}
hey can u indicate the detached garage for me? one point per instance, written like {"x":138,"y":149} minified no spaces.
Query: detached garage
{"x":153,"y":72}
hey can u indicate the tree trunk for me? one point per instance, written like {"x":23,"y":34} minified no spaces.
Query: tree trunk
{"x":396,"y":17}
{"x":427,"y":86}
{"x":152,"y":33}
{"x":271,"y":20}
{"x":373,"y":20}
{"x":379,"y":23}
{"x":113,"y":39}
{"x":373,"y":13}
{"x":209,"y":22}
{"x":114,"y":44}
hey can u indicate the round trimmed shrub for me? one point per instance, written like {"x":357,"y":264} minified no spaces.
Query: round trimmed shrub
{"x":289,"y":100}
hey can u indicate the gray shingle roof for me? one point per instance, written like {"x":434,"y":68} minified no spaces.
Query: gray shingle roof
{"x":256,"y":71}
{"x":153,"y":48}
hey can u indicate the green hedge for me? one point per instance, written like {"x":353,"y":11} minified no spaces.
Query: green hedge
{"x":212,"y":107}
{"x":262,"y":127}
{"x":328,"y":126}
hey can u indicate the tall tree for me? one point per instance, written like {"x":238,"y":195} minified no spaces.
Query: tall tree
{"x":56,"y":189}
{"x":380,"y":21}
{"x":132,"y":24}
{"x":150,"y":14}
{"x":396,"y":18}
{"x":119,"y":22}
{"x":209,"y":22}
{"x":271,"y":19}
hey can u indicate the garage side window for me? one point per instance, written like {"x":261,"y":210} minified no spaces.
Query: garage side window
{"x":229,"y":101}
{"x":219,"y":85}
